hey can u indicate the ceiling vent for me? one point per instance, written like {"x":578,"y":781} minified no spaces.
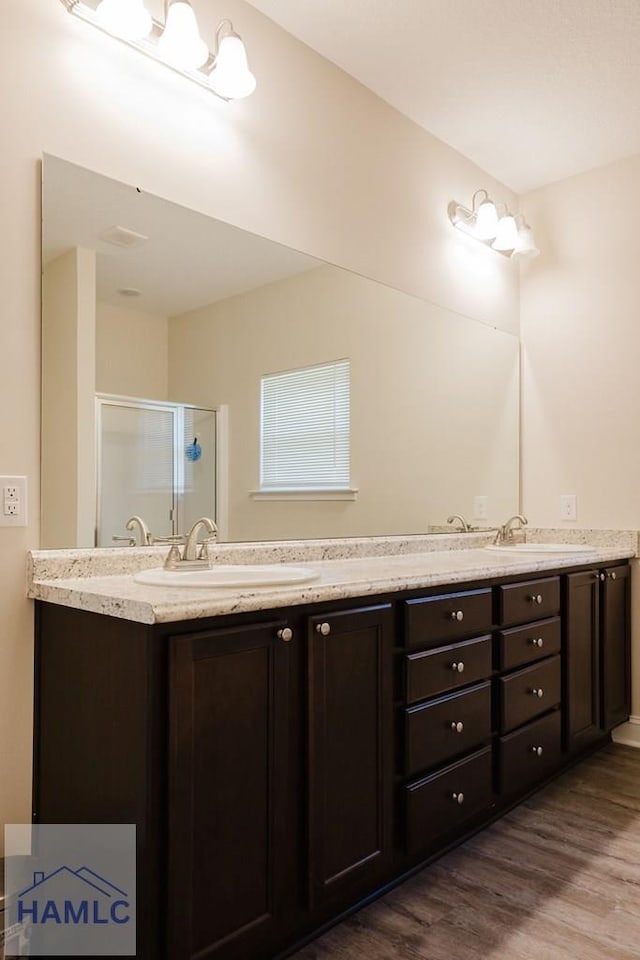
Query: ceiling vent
{"x":122,"y":237}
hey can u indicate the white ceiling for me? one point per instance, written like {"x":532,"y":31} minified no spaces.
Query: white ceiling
{"x":532,"y":90}
{"x":189,"y":260}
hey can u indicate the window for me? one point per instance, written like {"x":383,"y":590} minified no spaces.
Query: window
{"x":304,"y":430}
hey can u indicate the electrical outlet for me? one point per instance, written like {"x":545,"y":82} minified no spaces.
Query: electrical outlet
{"x":480,"y":508}
{"x":568,"y":506}
{"x":13,"y":503}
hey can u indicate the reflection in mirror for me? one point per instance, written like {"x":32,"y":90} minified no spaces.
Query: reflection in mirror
{"x":144,"y":300}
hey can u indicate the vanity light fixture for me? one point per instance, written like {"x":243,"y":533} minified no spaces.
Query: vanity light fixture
{"x":177,"y":42}
{"x":494,"y":225}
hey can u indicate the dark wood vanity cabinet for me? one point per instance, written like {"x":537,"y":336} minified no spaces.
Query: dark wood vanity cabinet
{"x":615,"y":654}
{"x":596,"y":651}
{"x":350,"y":751}
{"x":228,"y":775}
{"x":283,"y":766}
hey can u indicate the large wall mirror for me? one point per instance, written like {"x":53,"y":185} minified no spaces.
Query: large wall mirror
{"x":164,"y":330}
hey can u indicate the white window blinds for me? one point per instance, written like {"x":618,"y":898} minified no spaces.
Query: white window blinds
{"x":304,"y":435}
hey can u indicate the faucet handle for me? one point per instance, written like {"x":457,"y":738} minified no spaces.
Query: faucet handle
{"x":131,"y":541}
{"x":173,"y":539}
{"x":174,"y":558}
{"x":203,"y":553}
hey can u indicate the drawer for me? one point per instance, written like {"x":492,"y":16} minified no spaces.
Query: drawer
{"x":446,"y":668}
{"x":530,"y":755}
{"x":529,"y":692}
{"x":445,"y":800}
{"x":432,"y":621}
{"x":521,"y":645}
{"x":438,"y":731}
{"x":532,"y":600}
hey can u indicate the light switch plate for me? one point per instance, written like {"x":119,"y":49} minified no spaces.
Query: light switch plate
{"x":13,"y":501}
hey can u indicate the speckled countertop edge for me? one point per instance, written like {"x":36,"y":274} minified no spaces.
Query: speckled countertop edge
{"x":118,"y":595}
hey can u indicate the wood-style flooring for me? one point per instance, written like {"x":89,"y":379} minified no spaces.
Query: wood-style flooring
{"x":558,"y":878}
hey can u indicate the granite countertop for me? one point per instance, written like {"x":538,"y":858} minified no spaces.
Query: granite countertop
{"x":86,"y":579}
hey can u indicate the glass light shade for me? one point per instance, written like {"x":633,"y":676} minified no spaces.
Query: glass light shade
{"x":180,"y":43}
{"x":231,"y":77}
{"x":486,"y":221}
{"x":507,"y":235}
{"x":127,"y":19}
{"x":526,"y":246}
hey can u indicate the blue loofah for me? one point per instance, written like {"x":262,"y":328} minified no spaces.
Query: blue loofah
{"x":193,"y":450}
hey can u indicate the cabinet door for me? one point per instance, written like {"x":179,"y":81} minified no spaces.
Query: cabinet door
{"x":615,"y":639}
{"x":582,"y":663}
{"x":227,"y":790}
{"x":350,"y":751}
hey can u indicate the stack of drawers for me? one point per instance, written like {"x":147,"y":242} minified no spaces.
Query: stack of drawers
{"x":448,"y":720}
{"x":481,"y":689}
{"x":530,"y":688}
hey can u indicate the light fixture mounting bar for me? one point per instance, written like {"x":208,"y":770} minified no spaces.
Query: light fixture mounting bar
{"x":86,"y":10}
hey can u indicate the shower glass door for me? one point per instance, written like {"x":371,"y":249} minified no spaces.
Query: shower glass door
{"x":156,"y":460}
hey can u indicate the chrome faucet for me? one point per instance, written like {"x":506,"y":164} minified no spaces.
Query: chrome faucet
{"x":506,"y":532}
{"x":195,"y":553}
{"x":143,"y":538}
{"x":464,"y":525}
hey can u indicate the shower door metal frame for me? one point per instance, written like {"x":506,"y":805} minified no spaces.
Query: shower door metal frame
{"x":177,"y":498}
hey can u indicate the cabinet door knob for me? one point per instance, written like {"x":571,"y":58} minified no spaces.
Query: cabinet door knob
{"x":538,"y":642}
{"x":457,"y":615}
{"x":324,"y":629}
{"x":613,"y":575}
{"x":458,"y":797}
{"x":285,"y":634}
{"x":603,"y":576}
{"x":458,"y":667}
{"x":538,"y":692}
{"x":457,"y":727}
{"x":538,"y":751}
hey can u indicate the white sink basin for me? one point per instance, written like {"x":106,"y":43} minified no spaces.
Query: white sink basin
{"x":228,"y":575}
{"x":541,"y":548}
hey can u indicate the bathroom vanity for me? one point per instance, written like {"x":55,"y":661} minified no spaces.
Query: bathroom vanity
{"x":285,"y":758}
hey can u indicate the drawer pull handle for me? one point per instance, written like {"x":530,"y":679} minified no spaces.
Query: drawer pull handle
{"x":285,"y":634}
{"x":458,"y":797}
{"x":538,"y":751}
{"x":458,"y":667}
{"x":457,"y":727}
{"x":538,"y":642}
{"x":536,"y":598}
{"x":324,"y":629}
{"x":538,"y":692}
{"x":457,"y":615}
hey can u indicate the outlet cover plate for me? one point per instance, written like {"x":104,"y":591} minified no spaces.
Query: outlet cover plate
{"x":568,"y":506}
{"x":480,"y":508}
{"x":13,"y":501}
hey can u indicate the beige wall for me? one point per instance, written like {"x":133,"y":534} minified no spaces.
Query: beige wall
{"x":313,"y":160}
{"x":68,"y":391}
{"x":434,"y":401}
{"x":581,"y":344}
{"x":131,"y":352}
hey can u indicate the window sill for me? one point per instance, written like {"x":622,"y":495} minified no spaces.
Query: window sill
{"x":347,"y":493}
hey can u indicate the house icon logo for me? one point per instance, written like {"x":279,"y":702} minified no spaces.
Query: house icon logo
{"x":73,"y":898}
